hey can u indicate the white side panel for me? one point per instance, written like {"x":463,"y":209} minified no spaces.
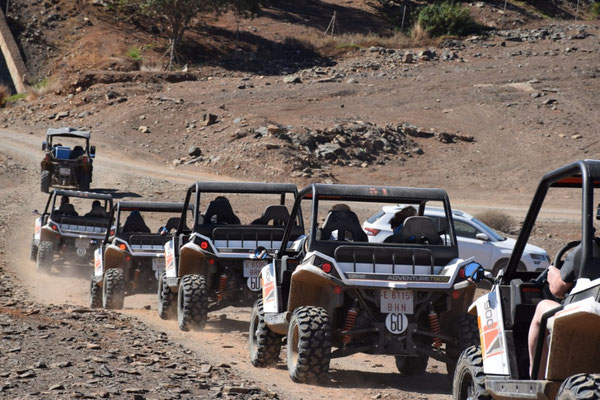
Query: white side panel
{"x":38,"y":228}
{"x":269,"y":289}
{"x":170,"y":259}
{"x":98,"y":262}
{"x":492,"y":335}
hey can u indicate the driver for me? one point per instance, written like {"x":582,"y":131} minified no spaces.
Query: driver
{"x":560,"y":282}
{"x":66,"y":208}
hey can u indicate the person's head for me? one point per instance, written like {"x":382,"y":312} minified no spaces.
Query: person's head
{"x":134,"y":213}
{"x":64,"y":200}
{"x":398,"y":219}
{"x":96,"y":204}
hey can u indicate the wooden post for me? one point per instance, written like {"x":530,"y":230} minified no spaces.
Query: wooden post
{"x":403,"y":14}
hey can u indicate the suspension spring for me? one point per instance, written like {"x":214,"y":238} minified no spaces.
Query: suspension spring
{"x":222,"y":287}
{"x":434,"y":325}
{"x":349,"y":324}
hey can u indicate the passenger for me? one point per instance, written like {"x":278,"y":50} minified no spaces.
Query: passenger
{"x":397,"y":222}
{"x":97,"y":211}
{"x":66,"y":208}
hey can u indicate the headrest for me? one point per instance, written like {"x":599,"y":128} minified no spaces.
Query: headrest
{"x":419,"y":230}
{"x":219,"y":211}
{"x":279,"y":214}
{"x":343,"y":221}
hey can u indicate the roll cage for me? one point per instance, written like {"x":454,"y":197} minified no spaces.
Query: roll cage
{"x":365,"y":193}
{"x":51,"y":203}
{"x":71,"y":133}
{"x":585,"y":175}
{"x":198,"y":188}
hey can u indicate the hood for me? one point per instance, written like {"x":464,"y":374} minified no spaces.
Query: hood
{"x":509,"y":244}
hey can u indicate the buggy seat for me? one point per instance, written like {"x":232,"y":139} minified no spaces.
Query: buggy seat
{"x":277,"y":214}
{"x":346,"y":223}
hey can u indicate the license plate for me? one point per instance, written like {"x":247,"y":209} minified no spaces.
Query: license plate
{"x":82,"y":243}
{"x":158,"y":264}
{"x":64,"y":171}
{"x":397,"y":301}
{"x":252,"y":268}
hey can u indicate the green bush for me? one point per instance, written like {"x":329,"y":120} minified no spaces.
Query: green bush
{"x":135,"y":53}
{"x":447,"y":18}
{"x":596,"y":9}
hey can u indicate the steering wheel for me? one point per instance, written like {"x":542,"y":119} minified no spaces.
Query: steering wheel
{"x":558,"y":261}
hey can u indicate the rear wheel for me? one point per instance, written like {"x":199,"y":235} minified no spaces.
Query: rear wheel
{"x":467,"y":333}
{"x":469,"y":379}
{"x":45,"y":181}
{"x":45,"y":257}
{"x":113,"y":289}
{"x":84,"y":181}
{"x":167,"y":299}
{"x":95,"y":294}
{"x":580,"y":386}
{"x":308,"y":344}
{"x":192,"y":303}
{"x":411,"y":366}
{"x":265,"y":345}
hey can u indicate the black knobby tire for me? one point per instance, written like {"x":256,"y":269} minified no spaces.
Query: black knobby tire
{"x":34,"y":251}
{"x":580,"y":386}
{"x":308,"y":344}
{"x":45,"y":257}
{"x":192,"y":303}
{"x":113,"y":289}
{"x":469,"y":379}
{"x":95,"y":294}
{"x":466,"y":331}
{"x":264,"y":344}
{"x":167,"y":299}
{"x":45,"y":181}
{"x":84,"y":182}
{"x":411,"y":366}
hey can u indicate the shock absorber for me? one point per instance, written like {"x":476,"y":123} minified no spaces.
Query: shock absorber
{"x":222,"y":286}
{"x":434,"y":325}
{"x":350,"y":322}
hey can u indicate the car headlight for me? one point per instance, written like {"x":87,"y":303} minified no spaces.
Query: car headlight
{"x":539,"y":257}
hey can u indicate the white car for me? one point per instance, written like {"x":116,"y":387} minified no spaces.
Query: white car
{"x":475,"y":239}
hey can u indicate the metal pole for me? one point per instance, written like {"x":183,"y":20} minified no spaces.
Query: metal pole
{"x":577,"y":11}
{"x":504,"y":13}
{"x":403,"y":14}
{"x":8,"y":1}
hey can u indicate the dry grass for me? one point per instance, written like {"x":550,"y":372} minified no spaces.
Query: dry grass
{"x":498,"y":220}
{"x":335,"y":46}
{"x":43,"y":87}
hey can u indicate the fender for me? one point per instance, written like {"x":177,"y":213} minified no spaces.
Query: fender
{"x":98,"y":263}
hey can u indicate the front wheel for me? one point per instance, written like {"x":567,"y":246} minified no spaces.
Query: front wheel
{"x":167,"y":299}
{"x":113,"y":289}
{"x":34,"y":251}
{"x":466,"y":331}
{"x":95,"y":294}
{"x":580,"y":386}
{"x":192,"y":303}
{"x":469,"y":379}
{"x":45,"y":257}
{"x":264,"y":344}
{"x":308,"y":344}
{"x":411,"y":366}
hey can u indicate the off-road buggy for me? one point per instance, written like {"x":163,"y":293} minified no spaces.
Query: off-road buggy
{"x":499,"y":366}
{"x":216,"y":263}
{"x":64,"y":236}
{"x":65,"y":166}
{"x":131,"y":259}
{"x":340,"y":295}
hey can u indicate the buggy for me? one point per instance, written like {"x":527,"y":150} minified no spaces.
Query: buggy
{"x":216,"y":263}
{"x":62,"y":236}
{"x":65,"y":166}
{"x":499,"y":365}
{"x":340,"y":295}
{"x":130,"y":260}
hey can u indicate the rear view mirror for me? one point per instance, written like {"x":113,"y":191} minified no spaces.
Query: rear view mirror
{"x":44,"y":146}
{"x":93,"y":151}
{"x":35,"y":212}
{"x":475,"y":272}
{"x":482,"y":236}
{"x":260,"y":253}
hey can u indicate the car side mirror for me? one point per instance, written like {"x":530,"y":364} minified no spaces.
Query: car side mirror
{"x":482,"y":236}
{"x":44,"y":146}
{"x":93,"y":151}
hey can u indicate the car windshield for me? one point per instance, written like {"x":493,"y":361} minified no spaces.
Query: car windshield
{"x":487,"y":230}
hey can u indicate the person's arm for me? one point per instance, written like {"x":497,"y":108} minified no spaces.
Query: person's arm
{"x":558,"y":287}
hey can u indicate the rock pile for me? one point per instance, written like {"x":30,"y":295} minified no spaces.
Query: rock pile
{"x":550,"y":32}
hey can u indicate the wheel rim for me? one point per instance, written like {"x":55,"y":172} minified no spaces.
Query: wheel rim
{"x":294,"y":344}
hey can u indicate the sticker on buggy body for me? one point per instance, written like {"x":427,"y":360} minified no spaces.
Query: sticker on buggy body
{"x":269,"y":289}
{"x":170,"y":259}
{"x":98,"y":262}
{"x":38,"y":228}
{"x":492,"y":336}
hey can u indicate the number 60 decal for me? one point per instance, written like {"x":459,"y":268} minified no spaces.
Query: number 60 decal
{"x":396,"y":323}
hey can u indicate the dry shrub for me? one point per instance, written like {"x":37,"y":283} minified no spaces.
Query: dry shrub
{"x":498,"y":220}
{"x":335,"y":46}
{"x":43,"y":87}
{"x":4,"y":94}
{"x":418,"y":33}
